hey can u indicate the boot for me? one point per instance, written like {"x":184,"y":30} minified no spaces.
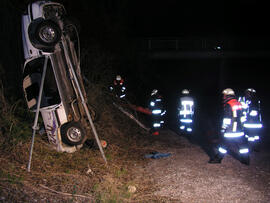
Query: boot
{"x":215,"y":160}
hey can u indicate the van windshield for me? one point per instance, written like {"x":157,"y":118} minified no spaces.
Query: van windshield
{"x":32,"y":78}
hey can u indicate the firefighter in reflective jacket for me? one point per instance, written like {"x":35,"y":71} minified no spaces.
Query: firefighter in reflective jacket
{"x":186,"y":112}
{"x":252,"y":121}
{"x":118,"y":87}
{"x":157,"y":110}
{"x":232,"y":134}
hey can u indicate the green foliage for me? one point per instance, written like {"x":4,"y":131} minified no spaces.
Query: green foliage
{"x":121,"y":172}
{"x":16,"y":125}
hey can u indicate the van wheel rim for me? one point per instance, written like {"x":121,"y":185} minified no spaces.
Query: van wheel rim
{"x":74,"y":134}
{"x":47,"y":34}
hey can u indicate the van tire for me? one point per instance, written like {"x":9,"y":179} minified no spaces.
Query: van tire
{"x":38,"y":40}
{"x":72,"y":133}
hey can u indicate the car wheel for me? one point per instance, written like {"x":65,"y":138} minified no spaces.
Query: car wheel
{"x":72,"y":133}
{"x":44,"y":34}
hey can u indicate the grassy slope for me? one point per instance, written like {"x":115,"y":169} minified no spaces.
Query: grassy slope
{"x":63,"y":177}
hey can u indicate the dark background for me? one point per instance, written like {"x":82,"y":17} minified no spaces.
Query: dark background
{"x":241,"y":22}
{"x":120,"y":26}
{"x":204,"y":18}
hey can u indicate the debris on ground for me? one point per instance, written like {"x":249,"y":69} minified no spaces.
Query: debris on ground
{"x":157,"y":155}
{"x":131,"y":189}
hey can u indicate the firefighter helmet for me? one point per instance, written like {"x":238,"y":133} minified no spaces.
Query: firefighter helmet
{"x":185,"y":91}
{"x":250,"y":93}
{"x":228,"y":91}
{"x":118,"y":78}
{"x":251,"y":90}
{"x":154,"y":91}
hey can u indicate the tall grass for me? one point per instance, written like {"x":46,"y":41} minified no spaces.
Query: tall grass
{"x":15,"y":119}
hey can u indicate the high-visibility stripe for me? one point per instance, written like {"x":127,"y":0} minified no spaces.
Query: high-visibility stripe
{"x":234,"y":126}
{"x":243,"y":151}
{"x":185,"y":112}
{"x":253,"y":113}
{"x":187,"y":102}
{"x":252,"y":125}
{"x":233,"y":135}
{"x":156,"y":111}
{"x":156,"y":125}
{"x":222,"y":150}
{"x":186,"y":120}
{"x":234,"y":114}
{"x":227,"y":121}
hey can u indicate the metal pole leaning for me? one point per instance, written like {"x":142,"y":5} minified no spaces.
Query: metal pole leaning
{"x":83,"y":101}
{"x":35,"y":126}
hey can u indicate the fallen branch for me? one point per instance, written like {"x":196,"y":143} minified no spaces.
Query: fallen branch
{"x":66,"y":194}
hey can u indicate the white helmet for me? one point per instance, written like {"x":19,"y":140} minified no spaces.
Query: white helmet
{"x":118,"y":78}
{"x":185,"y":91}
{"x":228,"y":91}
{"x":154,"y":91}
{"x":251,"y":90}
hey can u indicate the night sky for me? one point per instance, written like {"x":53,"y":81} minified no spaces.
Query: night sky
{"x":199,"y":18}
{"x":243,"y":22}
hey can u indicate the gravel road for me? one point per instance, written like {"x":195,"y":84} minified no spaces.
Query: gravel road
{"x":186,"y":176}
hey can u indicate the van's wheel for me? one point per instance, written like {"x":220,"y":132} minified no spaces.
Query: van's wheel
{"x":72,"y":133}
{"x":44,"y":34}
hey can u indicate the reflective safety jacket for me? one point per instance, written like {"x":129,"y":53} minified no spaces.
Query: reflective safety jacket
{"x":118,"y":88}
{"x":252,"y":114}
{"x":186,"y":109}
{"x":231,"y":125}
{"x":157,"y":110}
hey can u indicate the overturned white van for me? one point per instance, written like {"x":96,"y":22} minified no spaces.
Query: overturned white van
{"x":51,"y":40}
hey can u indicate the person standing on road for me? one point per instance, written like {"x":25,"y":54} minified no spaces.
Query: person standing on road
{"x":156,"y":107}
{"x":186,"y":112}
{"x":252,"y":118}
{"x":232,"y":134}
